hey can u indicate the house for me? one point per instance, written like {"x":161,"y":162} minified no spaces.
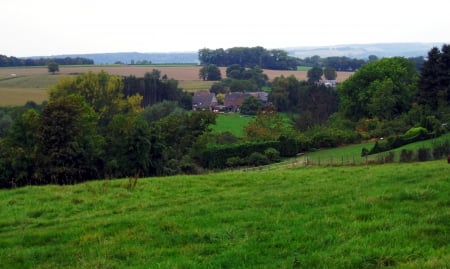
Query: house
{"x":203,"y":100}
{"x":329,"y":83}
{"x":233,"y":101}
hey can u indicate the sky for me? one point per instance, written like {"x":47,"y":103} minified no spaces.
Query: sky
{"x":52,"y":27}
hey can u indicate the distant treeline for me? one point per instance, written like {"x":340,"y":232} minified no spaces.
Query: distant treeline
{"x":280,"y":60}
{"x":249,"y":57}
{"x":6,"y":61}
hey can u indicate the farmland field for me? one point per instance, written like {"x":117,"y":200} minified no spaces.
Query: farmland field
{"x":393,"y":215}
{"x":21,"y":84}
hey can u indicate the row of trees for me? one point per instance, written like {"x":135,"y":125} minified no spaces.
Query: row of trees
{"x":248,"y":57}
{"x":6,"y":61}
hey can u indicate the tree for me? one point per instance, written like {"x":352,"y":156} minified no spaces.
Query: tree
{"x":314,"y":74}
{"x":434,"y":83}
{"x":250,"y":106}
{"x":267,"y":126}
{"x":70,"y":145}
{"x":102,"y":91}
{"x":53,"y":67}
{"x":128,"y":151}
{"x":363,"y":95}
{"x":210,"y":72}
{"x":330,"y":73}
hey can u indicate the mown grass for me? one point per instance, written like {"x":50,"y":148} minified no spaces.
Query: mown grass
{"x":392,"y":215}
{"x":231,"y":122}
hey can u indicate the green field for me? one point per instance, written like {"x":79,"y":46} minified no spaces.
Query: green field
{"x":393,"y":215}
{"x":231,"y":122}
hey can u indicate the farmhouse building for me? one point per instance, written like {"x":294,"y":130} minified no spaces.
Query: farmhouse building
{"x":204,"y":100}
{"x":234,"y":100}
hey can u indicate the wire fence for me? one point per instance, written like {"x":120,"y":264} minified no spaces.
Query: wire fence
{"x":349,"y":160}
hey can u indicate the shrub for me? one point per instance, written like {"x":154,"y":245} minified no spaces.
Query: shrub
{"x":272,"y":154}
{"x":389,"y":157}
{"x":441,"y":149}
{"x":423,"y":154}
{"x":234,"y":162}
{"x":288,"y":146}
{"x":406,"y":155}
{"x":257,"y":159}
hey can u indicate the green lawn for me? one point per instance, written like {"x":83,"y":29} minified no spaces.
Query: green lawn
{"x":393,"y":215}
{"x":232,"y":122}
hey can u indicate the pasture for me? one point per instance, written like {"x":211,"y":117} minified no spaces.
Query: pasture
{"x":393,"y":215}
{"x":31,"y":83}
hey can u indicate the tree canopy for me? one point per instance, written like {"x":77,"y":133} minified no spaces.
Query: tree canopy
{"x":383,"y":89}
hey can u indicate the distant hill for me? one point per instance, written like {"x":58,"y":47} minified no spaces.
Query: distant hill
{"x":129,"y":57}
{"x":360,"y":51}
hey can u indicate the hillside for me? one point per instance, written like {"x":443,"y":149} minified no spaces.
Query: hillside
{"x":392,"y":215}
{"x":362,"y":51}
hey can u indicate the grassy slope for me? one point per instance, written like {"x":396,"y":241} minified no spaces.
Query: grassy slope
{"x":348,"y":217}
{"x":353,"y":152}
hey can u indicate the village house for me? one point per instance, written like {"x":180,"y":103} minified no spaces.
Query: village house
{"x":204,"y":100}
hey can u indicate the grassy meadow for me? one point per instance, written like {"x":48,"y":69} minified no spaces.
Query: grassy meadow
{"x":393,"y":215}
{"x":231,"y":122}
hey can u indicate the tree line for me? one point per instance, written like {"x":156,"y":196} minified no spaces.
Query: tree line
{"x":11,"y":61}
{"x":277,"y":59}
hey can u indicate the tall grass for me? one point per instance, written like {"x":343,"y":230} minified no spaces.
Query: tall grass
{"x":335,"y":217}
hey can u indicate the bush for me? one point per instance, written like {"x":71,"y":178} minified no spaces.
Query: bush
{"x":288,"y":146}
{"x":389,"y":157}
{"x":234,"y":162}
{"x":257,"y":159}
{"x":423,"y":154}
{"x":441,"y":149}
{"x":406,"y":155}
{"x":272,"y":154}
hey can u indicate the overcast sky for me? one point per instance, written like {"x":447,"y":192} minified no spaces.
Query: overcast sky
{"x":52,"y":27}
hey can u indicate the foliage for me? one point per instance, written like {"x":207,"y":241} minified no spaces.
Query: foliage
{"x":267,"y":126}
{"x":155,"y":89}
{"x":314,"y":74}
{"x":434,"y":83}
{"x":216,"y":156}
{"x":68,"y":141}
{"x":210,"y":72}
{"x":53,"y":67}
{"x":102,"y":91}
{"x":14,"y":61}
{"x":251,"y":106}
{"x":413,"y":135}
{"x":248,"y":57}
{"x":383,"y":89}
{"x":330,"y":73}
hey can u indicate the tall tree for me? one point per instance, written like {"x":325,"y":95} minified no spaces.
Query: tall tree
{"x":69,"y":142}
{"x":102,"y":91}
{"x":330,"y":73}
{"x":361,"y":96}
{"x":53,"y":67}
{"x":315,"y":74}
{"x":210,"y":72}
{"x":434,"y":84}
